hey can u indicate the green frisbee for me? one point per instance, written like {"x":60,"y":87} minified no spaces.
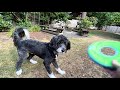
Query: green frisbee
{"x":94,"y":52}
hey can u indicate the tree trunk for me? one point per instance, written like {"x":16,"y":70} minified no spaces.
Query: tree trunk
{"x":26,"y":16}
{"x":34,"y":17}
{"x":39,"y":17}
{"x":84,"y":14}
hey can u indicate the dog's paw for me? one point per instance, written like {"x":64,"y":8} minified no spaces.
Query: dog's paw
{"x":115,"y":63}
{"x":60,"y":71}
{"x":19,"y":72}
{"x":51,"y":75}
{"x":33,"y":61}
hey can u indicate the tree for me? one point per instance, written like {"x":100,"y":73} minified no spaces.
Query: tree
{"x":106,"y":18}
{"x":25,"y":18}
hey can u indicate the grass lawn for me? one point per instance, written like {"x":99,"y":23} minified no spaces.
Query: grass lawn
{"x":75,"y":62}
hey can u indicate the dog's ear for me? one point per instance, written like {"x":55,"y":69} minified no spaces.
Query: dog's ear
{"x":53,"y":42}
{"x":68,"y":45}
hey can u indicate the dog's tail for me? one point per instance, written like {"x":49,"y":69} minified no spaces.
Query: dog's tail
{"x":20,"y":34}
{"x":26,"y":33}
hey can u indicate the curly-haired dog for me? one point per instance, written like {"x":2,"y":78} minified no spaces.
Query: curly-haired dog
{"x":46,"y":51}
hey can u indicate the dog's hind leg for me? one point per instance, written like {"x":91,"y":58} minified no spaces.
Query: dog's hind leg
{"x":49,"y":72}
{"x":22,"y":56}
{"x":57,"y":67}
{"x":30,"y":58}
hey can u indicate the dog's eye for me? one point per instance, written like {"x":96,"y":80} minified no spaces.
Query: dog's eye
{"x":59,"y":42}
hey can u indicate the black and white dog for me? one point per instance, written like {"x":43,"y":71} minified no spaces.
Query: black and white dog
{"x":47,"y":51}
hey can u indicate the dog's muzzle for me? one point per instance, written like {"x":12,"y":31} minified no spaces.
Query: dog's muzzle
{"x":61,"y":49}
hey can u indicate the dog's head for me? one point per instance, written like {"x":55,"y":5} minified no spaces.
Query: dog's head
{"x":60,"y":43}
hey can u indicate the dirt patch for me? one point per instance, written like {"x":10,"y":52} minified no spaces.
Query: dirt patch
{"x":4,"y":37}
{"x":108,"y":51}
{"x":40,"y":36}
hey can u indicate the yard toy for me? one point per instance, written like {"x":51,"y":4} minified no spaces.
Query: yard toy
{"x":94,"y":52}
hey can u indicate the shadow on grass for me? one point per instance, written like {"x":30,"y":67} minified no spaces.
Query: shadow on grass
{"x":104,"y":34}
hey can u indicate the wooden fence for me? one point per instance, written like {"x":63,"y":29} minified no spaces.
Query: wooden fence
{"x":112,"y":29}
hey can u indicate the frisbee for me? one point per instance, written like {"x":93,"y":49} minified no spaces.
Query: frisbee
{"x":95,"y":53}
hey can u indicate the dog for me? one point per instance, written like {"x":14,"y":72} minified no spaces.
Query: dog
{"x":48,"y":51}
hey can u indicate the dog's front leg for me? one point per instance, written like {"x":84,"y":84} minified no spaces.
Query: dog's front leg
{"x":22,"y":56}
{"x":57,"y":67}
{"x":18,"y":67}
{"x":49,"y":72}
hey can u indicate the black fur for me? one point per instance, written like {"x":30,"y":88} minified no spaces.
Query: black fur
{"x":46,"y":51}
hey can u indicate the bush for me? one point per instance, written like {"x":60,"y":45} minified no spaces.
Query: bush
{"x":84,"y":24}
{"x":4,"y":25}
{"x":24,"y":24}
{"x":35,"y":28}
{"x":11,"y":30}
{"x":94,"y":20}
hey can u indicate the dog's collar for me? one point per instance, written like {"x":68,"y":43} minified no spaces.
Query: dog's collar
{"x":53,"y":49}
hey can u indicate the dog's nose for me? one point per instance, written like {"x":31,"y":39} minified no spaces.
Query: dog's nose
{"x":63,"y":50}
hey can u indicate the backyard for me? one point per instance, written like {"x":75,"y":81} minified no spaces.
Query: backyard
{"x":75,"y":62}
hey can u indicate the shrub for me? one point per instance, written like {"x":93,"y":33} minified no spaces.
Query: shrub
{"x":4,"y":25}
{"x":24,"y":24}
{"x":94,"y":20}
{"x":35,"y":28}
{"x":11,"y":30}
{"x":84,"y":24}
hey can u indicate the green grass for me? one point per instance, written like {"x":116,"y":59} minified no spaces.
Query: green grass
{"x":7,"y":60}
